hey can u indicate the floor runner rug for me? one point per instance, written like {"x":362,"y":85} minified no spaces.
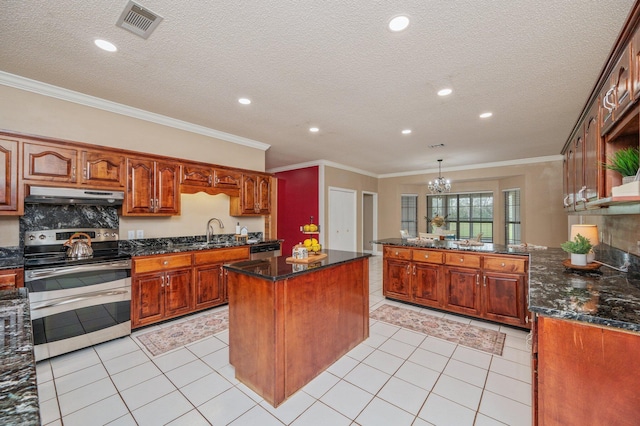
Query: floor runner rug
{"x":472,"y":336}
{"x":174,"y":336}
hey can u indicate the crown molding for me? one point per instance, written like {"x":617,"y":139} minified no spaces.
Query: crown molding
{"x":23,"y":83}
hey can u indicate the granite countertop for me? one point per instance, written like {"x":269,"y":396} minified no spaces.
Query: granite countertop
{"x":451,"y":245}
{"x":10,"y":258}
{"x":277,"y":268}
{"x":148,"y":247}
{"x":18,"y":385}
{"x":604,"y":297}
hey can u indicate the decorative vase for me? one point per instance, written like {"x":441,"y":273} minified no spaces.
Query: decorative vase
{"x":578,"y":259}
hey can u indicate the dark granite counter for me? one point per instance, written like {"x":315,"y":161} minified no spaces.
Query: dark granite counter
{"x":10,"y":258}
{"x":18,"y":385}
{"x":277,"y":268}
{"x":604,"y":297}
{"x":153,"y":246}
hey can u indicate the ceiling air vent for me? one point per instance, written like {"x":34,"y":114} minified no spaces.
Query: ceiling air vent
{"x":138,"y":20}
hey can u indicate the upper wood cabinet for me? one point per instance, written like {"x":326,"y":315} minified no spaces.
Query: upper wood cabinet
{"x":615,"y":96}
{"x":197,"y":177}
{"x":255,"y":196}
{"x":225,"y":178}
{"x":9,"y":177}
{"x":103,"y":168}
{"x":49,"y":162}
{"x":153,"y":188}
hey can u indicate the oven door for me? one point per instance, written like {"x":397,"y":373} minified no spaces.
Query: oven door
{"x":74,"y":307}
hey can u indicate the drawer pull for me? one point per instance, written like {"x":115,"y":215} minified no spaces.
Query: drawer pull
{"x":397,"y":253}
{"x":166,"y":262}
{"x":462,"y":259}
{"x":502,"y":264}
{"x":426,"y":256}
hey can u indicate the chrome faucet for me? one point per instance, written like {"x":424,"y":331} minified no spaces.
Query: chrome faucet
{"x":210,"y":227}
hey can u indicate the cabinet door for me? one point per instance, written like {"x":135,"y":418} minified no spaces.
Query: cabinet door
{"x":248,"y":195}
{"x":503,"y":298}
{"x":264,"y":194}
{"x":197,"y":176}
{"x":635,"y":58}
{"x":229,"y":179}
{"x":49,"y":163}
{"x":167,"y":189}
{"x":9,"y":176}
{"x":578,"y":149}
{"x":462,"y":290}
{"x":426,"y":284}
{"x":177,"y":292}
{"x":11,"y":278}
{"x":569,"y":179}
{"x":103,"y":169}
{"x":147,"y":299}
{"x":140,"y":197}
{"x":622,"y":80}
{"x":397,"y":278}
{"x":593,"y":177}
{"x":209,"y":286}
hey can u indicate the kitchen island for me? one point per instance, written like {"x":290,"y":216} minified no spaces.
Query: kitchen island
{"x":288,"y":322}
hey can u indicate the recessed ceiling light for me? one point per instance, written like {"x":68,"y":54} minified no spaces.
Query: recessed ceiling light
{"x":399,"y":23}
{"x":314,"y":129}
{"x":486,"y":114}
{"x":406,"y":132}
{"x":105,"y":45}
{"x":244,"y":101}
{"x":444,"y":92}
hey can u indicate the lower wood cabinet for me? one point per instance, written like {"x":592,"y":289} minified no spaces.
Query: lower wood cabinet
{"x":11,"y":278}
{"x":168,"y":286}
{"x":584,"y":374}
{"x":491,"y":287}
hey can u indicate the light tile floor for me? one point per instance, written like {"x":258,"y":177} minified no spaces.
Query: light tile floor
{"x":396,"y":377}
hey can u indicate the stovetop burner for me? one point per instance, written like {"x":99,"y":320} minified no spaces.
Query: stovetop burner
{"x":46,"y":248}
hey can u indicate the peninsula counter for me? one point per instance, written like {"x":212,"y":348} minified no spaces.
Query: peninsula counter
{"x":289,"y":322}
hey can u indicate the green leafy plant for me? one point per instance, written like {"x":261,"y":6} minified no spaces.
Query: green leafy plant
{"x":579,"y":245}
{"x":624,"y":161}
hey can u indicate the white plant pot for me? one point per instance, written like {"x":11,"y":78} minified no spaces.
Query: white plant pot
{"x":578,"y":259}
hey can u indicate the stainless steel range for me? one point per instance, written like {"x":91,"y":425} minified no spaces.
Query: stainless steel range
{"x":76,"y":300}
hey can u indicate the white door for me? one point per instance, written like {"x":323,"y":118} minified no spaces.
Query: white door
{"x":342,"y":219}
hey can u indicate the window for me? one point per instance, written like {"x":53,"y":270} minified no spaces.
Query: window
{"x":512,"y":217}
{"x":467,"y":215}
{"x":409,"y":213}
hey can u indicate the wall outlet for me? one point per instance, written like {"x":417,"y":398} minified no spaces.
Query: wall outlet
{"x":140,"y":233}
{"x":131,"y":234}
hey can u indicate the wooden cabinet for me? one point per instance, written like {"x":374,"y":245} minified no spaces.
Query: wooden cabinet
{"x":209,"y":280}
{"x":616,"y":94}
{"x":462,"y":283}
{"x":488,"y":286}
{"x":11,"y":278}
{"x":103,"y":168}
{"x":227,"y":179}
{"x":593,"y":159}
{"x":9,"y":190}
{"x":161,"y":288}
{"x":396,"y":271}
{"x":153,"y":188}
{"x":49,"y":162}
{"x":255,"y":196}
{"x":574,"y":385}
{"x":197,"y":177}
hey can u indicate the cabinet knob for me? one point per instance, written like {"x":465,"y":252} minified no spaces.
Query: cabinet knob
{"x":397,"y":253}
{"x":502,"y":264}
{"x":166,"y":262}
{"x":426,"y":256}
{"x":462,"y":259}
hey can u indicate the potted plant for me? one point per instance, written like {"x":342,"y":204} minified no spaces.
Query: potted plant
{"x":625,"y":162}
{"x":578,"y":248}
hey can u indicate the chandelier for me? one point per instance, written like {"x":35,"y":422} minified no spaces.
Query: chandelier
{"x":440,"y":184}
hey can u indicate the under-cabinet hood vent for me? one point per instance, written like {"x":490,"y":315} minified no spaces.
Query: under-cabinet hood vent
{"x":138,"y":20}
{"x":61,"y":196}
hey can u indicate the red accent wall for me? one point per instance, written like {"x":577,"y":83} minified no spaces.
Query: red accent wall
{"x":297,"y":202}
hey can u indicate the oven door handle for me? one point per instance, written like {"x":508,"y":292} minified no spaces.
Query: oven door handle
{"x":31,"y":275}
{"x":66,"y":300}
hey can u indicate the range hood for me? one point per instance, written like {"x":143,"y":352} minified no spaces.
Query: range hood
{"x":56,"y":195}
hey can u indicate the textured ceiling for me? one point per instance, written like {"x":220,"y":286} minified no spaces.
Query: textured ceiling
{"x":335,"y":65}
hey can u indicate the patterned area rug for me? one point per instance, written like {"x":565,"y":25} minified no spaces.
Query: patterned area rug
{"x":185,"y":332}
{"x":472,"y":336}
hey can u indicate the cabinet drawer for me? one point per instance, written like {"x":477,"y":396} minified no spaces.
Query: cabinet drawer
{"x":429,"y":256}
{"x":397,"y":253}
{"x":505,"y":264}
{"x":462,"y":259}
{"x":220,"y":255}
{"x":159,"y":263}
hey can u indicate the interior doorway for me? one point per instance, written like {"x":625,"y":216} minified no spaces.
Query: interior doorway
{"x":341,"y":233}
{"x":369,"y":222}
